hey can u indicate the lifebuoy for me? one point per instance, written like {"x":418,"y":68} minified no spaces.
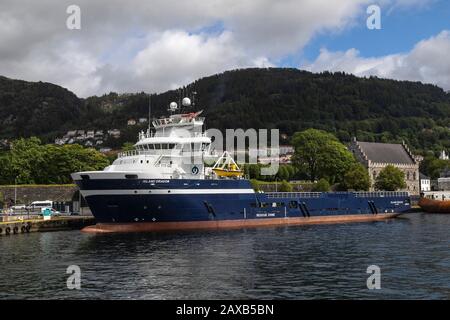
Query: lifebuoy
{"x":16,"y":230}
{"x":23,"y":229}
{"x":7,"y":230}
{"x":28,"y":227}
{"x":1,"y":230}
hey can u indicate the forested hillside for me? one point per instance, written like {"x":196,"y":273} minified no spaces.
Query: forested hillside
{"x":372,"y":109}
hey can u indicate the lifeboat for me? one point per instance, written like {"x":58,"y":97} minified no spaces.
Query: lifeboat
{"x":231,"y":171}
{"x":434,"y":206}
{"x":227,"y":167}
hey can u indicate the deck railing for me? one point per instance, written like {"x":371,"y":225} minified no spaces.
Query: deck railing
{"x":359,"y":194}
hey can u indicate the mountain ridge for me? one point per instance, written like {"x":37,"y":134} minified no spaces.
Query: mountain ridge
{"x":370,"y":108}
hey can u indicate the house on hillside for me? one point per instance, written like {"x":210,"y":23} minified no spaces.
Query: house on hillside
{"x":376,"y":156}
{"x":115,"y":133}
{"x":443,"y":155}
{"x":425,"y":183}
{"x":90,"y":134}
{"x":98,"y":134}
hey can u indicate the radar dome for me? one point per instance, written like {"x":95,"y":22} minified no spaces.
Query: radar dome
{"x":186,"y":102}
{"x":173,"y":106}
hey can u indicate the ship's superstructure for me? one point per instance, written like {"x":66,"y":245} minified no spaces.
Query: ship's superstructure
{"x":174,"y":151}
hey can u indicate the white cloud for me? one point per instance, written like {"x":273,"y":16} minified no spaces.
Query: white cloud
{"x":176,"y":58}
{"x":156,"y":45}
{"x":427,"y":62}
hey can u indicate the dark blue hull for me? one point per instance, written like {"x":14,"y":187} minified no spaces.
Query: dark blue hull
{"x":124,"y":201}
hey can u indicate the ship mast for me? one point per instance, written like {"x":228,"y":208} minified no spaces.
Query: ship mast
{"x":149,"y":112}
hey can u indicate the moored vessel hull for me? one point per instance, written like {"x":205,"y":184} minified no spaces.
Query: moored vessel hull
{"x":231,"y":224}
{"x":210,"y":204}
{"x":434,"y":206}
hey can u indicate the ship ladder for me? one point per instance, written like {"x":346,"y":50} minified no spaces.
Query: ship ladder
{"x":372,"y":207}
{"x":304,"y":209}
{"x":300,"y":206}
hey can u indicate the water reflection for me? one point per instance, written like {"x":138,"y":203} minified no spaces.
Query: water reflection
{"x":320,"y":261}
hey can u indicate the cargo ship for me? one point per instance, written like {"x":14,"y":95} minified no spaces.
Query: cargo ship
{"x":167,"y":183}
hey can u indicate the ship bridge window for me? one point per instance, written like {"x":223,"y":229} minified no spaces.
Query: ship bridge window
{"x":131,"y":176}
{"x":85,"y":177}
{"x":163,"y":146}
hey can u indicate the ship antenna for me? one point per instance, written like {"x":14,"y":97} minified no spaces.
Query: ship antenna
{"x":193,"y":98}
{"x":149,"y":112}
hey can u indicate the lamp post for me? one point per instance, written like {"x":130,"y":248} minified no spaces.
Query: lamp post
{"x":15,"y":191}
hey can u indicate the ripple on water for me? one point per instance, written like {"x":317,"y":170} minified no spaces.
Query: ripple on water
{"x":305,"y":262}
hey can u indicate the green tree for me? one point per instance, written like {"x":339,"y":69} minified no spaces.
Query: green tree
{"x":128,"y":146}
{"x":432,"y":166}
{"x":255,"y":184}
{"x":356,"y":178}
{"x":31,"y":162}
{"x":253,"y":171}
{"x":26,"y":159}
{"x":64,"y":160}
{"x":321,"y":186}
{"x":283,"y":173}
{"x":390,"y":179}
{"x":320,"y":155}
{"x":285,"y":186}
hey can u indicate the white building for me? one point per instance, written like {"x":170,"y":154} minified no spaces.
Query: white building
{"x":443,"y":155}
{"x":90,"y":134}
{"x":115,"y":133}
{"x":425,"y":183}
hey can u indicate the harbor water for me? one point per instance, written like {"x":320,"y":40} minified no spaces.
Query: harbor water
{"x":296,"y":262}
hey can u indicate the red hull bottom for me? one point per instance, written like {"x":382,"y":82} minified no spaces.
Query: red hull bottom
{"x":229,"y":224}
{"x":434,"y":206}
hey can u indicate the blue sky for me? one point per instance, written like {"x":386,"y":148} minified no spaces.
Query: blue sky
{"x":401,"y":29}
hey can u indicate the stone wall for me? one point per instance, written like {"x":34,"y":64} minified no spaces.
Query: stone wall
{"x":29,"y":193}
{"x":411,"y":173}
{"x":444,"y":184}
